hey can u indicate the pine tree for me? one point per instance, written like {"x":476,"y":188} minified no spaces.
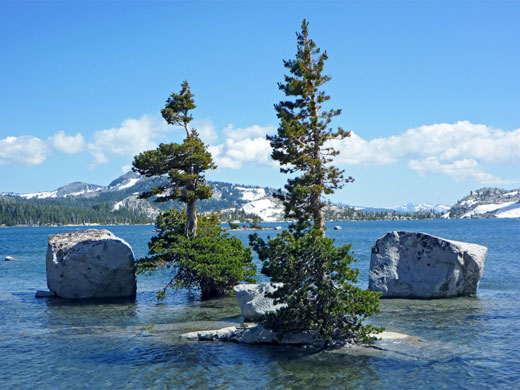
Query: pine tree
{"x":318,"y":284}
{"x":185,"y":163}
{"x":211,"y":260}
{"x":206,"y":257}
{"x":299,"y":145}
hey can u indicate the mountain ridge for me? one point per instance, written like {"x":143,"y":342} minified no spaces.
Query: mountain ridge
{"x":488,"y":202}
{"x":233,"y":201}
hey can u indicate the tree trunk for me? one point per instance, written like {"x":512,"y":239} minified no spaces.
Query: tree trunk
{"x":191,"y":215}
{"x":187,"y":128}
{"x":317,"y":213}
{"x":211,"y":289}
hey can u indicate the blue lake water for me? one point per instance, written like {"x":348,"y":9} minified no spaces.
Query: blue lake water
{"x":469,"y":343}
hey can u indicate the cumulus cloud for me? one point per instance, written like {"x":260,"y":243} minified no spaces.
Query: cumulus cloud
{"x":137,"y":135}
{"x":131,"y":138}
{"x":250,"y":132}
{"x":243,"y":145}
{"x":126,"y":168}
{"x":67,"y":143}
{"x":460,"y":170}
{"x":23,"y":150}
{"x":206,"y":130}
{"x":454,"y":149}
{"x":461,"y":150}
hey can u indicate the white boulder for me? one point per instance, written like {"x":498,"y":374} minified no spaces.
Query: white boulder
{"x":253,"y":300}
{"x":419,"y":265}
{"x":90,"y":264}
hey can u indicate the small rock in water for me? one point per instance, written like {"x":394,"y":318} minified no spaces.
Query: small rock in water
{"x":10,"y":258}
{"x":253,"y":301}
{"x":44,"y":294}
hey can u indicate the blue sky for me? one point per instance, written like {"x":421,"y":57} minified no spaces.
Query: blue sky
{"x":430,"y":90}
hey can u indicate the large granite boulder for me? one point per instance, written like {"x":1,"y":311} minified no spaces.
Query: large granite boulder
{"x":419,"y":265}
{"x":90,"y":264}
{"x":253,"y":300}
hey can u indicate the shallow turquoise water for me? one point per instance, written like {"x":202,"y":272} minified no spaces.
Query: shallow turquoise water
{"x":469,"y":343}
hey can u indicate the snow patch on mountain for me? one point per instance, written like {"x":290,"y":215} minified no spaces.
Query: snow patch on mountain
{"x":40,"y":195}
{"x":251,"y":194}
{"x":486,"y":208}
{"x":130,"y":183}
{"x":267,"y":209}
{"x":512,"y":211}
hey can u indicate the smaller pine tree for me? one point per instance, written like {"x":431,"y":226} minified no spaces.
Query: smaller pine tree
{"x":185,"y":165}
{"x":211,"y":260}
{"x":204,"y":255}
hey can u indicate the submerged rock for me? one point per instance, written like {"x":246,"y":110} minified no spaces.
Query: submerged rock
{"x":253,"y":300}
{"x":44,"y":294}
{"x":419,"y":265}
{"x":255,"y":334}
{"x":90,"y":264}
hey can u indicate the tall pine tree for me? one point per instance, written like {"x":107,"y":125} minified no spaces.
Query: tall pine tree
{"x":318,"y":284}
{"x":300,"y":145}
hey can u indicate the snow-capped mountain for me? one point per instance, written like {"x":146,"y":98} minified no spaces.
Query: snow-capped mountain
{"x":72,"y":189}
{"x":416,"y":207}
{"x":122,"y":193}
{"x":128,"y":180}
{"x":80,"y":189}
{"x":488,"y":203}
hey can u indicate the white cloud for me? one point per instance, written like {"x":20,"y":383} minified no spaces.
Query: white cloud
{"x":137,"y":135}
{"x":460,"y":170}
{"x":461,"y":150}
{"x":250,"y":132}
{"x":23,"y":150}
{"x":126,"y":168}
{"x":133,"y":137}
{"x":243,"y":145}
{"x":68,"y":144}
{"x":454,"y":149}
{"x":206,"y":130}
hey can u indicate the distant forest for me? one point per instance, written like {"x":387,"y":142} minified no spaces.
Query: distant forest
{"x":345,"y":213}
{"x":17,"y":211}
